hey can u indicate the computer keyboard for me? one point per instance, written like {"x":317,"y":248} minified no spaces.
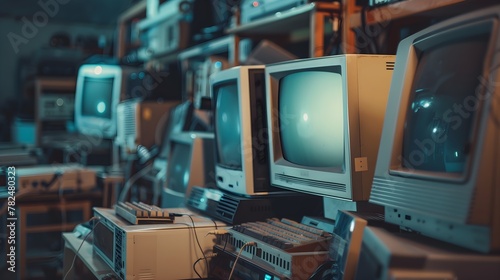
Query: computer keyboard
{"x":141,"y":213}
{"x":284,"y":234}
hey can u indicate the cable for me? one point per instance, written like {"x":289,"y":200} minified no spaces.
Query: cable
{"x":238,"y":256}
{"x":131,"y":181}
{"x":196,"y":238}
{"x":198,"y":242}
{"x":318,"y":274}
{"x":79,"y":247}
{"x":194,"y":264}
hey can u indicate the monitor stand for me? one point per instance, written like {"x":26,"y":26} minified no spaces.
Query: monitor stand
{"x":234,"y":209}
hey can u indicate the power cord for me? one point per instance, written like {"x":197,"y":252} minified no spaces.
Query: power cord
{"x":132,"y":180}
{"x":197,"y":242}
{"x":238,"y":256}
{"x":79,"y":247}
{"x":205,"y":258}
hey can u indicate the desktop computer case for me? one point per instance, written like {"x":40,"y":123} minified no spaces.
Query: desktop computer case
{"x":157,"y":251}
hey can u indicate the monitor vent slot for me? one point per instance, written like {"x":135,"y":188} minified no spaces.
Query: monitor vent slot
{"x":126,"y":114}
{"x":227,"y":207}
{"x":195,"y":197}
{"x":389,"y":65}
{"x":118,"y":261}
{"x":311,"y":183}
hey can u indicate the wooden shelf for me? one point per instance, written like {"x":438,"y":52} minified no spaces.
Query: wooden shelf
{"x":216,"y":46}
{"x":284,"y":22}
{"x":309,"y":17}
{"x":400,"y":10}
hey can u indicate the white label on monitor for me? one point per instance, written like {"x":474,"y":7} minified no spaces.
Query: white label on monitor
{"x":213,"y":195}
{"x":361,"y":164}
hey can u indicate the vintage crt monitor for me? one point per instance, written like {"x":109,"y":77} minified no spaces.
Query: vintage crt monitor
{"x":345,"y":245}
{"x":438,"y":168}
{"x":99,"y":89}
{"x":240,"y":128}
{"x":190,"y":163}
{"x":325,"y":117}
{"x":179,"y":120}
{"x":403,"y":255}
{"x":141,"y":123}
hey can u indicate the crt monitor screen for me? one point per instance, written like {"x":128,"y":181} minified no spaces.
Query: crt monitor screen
{"x":178,"y":167}
{"x":439,"y":124}
{"x":227,"y":126}
{"x":437,"y":169}
{"x":325,"y":118}
{"x":312,"y":125}
{"x":97,"y":97}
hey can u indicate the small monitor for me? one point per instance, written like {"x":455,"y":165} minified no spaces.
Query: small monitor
{"x":240,"y":128}
{"x":325,"y":118}
{"x":346,"y":244}
{"x":190,"y":163}
{"x":437,"y":171}
{"x":99,"y":89}
{"x":179,"y":120}
{"x":402,"y":255}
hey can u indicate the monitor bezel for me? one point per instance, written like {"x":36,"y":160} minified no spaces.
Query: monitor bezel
{"x":462,"y":212}
{"x":241,"y":182}
{"x":92,"y":125}
{"x":410,"y":48}
{"x":278,"y":165}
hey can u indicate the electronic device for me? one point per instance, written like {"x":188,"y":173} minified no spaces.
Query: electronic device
{"x":138,"y":213}
{"x":18,"y":155}
{"x":173,"y":27}
{"x":325,"y":118}
{"x":237,"y":209}
{"x":68,"y":177}
{"x":190,"y":163}
{"x":202,"y":72}
{"x":266,"y":52}
{"x":387,"y":255}
{"x":56,"y":106}
{"x":346,"y":244}
{"x":377,"y":3}
{"x":251,"y":10}
{"x":179,"y":120}
{"x":99,"y":89}
{"x":156,"y":251}
{"x":437,"y":170}
{"x":140,"y":123}
{"x":240,"y":128}
{"x":285,"y":247}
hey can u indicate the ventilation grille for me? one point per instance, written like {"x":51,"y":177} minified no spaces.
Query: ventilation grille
{"x":311,"y":183}
{"x":389,"y":65}
{"x":125,"y":115}
{"x":290,"y":264}
{"x":118,"y":262}
{"x":195,"y":197}
{"x":227,"y":207}
{"x":280,"y":261}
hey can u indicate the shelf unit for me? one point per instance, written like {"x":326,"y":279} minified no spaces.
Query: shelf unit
{"x":124,"y":25}
{"x":35,"y":223}
{"x":295,"y":24}
{"x":413,"y":14}
{"x":47,"y":85}
{"x":401,"y":10}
